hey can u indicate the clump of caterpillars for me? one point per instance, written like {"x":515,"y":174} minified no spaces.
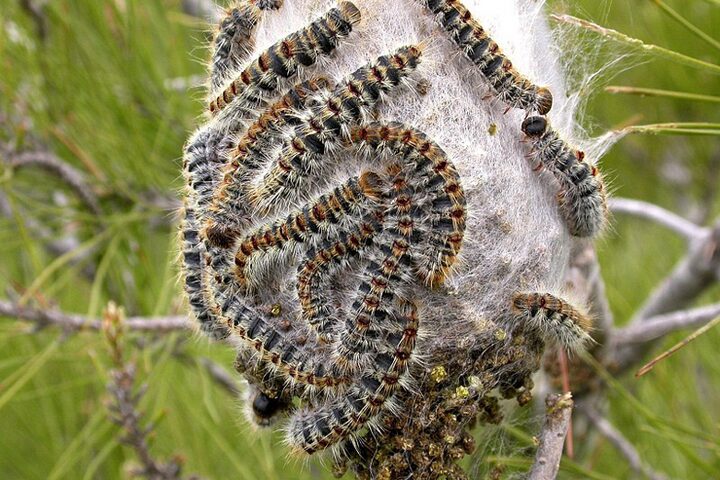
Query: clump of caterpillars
{"x":321,"y":285}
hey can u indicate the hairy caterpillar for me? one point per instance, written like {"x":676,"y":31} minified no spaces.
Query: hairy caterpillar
{"x":348,"y":105}
{"x":511,"y":87}
{"x":553,"y":319}
{"x":582,"y":192}
{"x":282,"y":60}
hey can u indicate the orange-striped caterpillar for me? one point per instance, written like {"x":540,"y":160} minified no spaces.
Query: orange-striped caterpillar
{"x":303,"y":154}
{"x":343,"y":416}
{"x":582,"y":195}
{"x":282,"y":60}
{"x":233,"y":41}
{"x":553,"y":319}
{"x":511,"y":87}
{"x":314,"y":221}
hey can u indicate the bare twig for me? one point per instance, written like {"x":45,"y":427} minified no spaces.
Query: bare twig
{"x":661,"y":325}
{"x":220,"y":376}
{"x":552,"y":437}
{"x":124,"y":408}
{"x":72,"y":322}
{"x":67,"y":173}
{"x":217,"y":373}
{"x":694,"y":273}
{"x":623,"y":446}
{"x":666,"y":218}
{"x":569,"y":441}
{"x":585,"y":280}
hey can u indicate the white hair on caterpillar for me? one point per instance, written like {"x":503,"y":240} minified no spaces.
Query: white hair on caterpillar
{"x":515,"y":235}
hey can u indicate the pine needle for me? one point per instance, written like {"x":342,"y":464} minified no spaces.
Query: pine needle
{"x":650,"y":365}
{"x":651,"y":49}
{"x":653,"y":92}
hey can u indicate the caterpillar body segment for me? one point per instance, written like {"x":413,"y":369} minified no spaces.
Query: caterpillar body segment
{"x":347,"y":201}
{"x":510,"y":86}
{"x":304,"y":155}
{"x":438,"y":206}
{"x":315,"y":274}
{"x":373,"y":317}
{"x":203,"y":158}
{"x":583,"y":200}
{"x":228,"y":209}
{"x":268,"y":4}
{"x":278,"y":348}
{"x":195,"y":282}
{"x":553,"y":319}
{"x":371,"y":392}
{"x":273,"y":340}
{"x":283,"y":59}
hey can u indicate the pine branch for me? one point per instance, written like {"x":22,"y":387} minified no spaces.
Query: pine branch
{"x":124,"y":409}
{"x":657,"y":327}
{"x":659,"y":215}
{"x":72,"y":322}
{"x":552,"y":437}
{"x":64,"y":171}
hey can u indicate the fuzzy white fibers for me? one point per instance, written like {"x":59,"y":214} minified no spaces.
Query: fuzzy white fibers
{"x":515,"y":236}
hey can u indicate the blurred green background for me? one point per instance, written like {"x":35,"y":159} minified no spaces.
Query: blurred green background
{"x":92,"y":83}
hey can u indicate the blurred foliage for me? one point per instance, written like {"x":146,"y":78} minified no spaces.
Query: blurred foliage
{"x":98,"y":91}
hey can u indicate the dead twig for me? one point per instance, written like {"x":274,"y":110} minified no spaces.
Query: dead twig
{"x":661,"y":325}
{"x":659,"y":215}
{"x":126,"y":397}
{"x":65,"y":172}
{"x":552,"y":437}
{"x":695,"y":273}
{"x":72,"y":322}
{"x":221,"y":376}
{"x":217,"y":373}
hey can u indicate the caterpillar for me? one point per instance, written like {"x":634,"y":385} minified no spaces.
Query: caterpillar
{"x":583,"y":200}
{"x":341,"y":417}
{"x":349,"y":199}
{"x":554,"y":319}
{"x":283,"y":59}
{"x":303,"y":154}
{"x":314,"y":275}
{"x":441,"y":199}
{"x":223,"y":224}
{"x":509,"y":85}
